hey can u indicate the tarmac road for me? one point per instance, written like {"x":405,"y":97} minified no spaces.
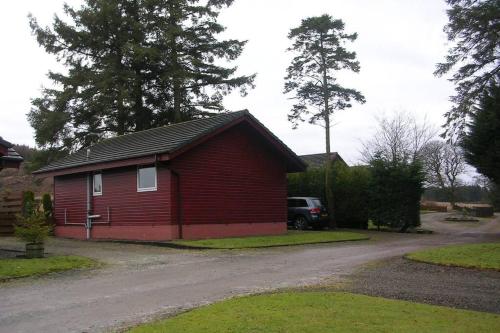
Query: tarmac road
{"x":142,"y":282}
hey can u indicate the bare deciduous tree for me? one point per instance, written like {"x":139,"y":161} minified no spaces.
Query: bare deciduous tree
{"x":399,"y":139}
{"x":443,"y":164}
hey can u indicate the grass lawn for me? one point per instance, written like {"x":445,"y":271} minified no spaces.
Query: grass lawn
{"x":290,"y":238}
{"x":483,"y":256}
{"x":315,"y":312}
{"x":19,"y":267}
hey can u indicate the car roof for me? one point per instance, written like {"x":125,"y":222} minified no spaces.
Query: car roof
{"x":316,"y":198}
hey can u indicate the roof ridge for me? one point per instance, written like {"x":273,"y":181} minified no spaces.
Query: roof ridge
{"x":245,"y":111}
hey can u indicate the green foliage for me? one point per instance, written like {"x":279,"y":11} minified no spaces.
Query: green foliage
{"x":322,"y":312}
{"x":42,"y":157}
{"x":350,"y":188}
{"x":395,"y":191}
{"x":32,"y":228}
{"x":47,"y":206}
{"x":482,"y":141}
{"x":494,"y":196}
{"x":474,"y":31}
{"x":319,"y":48}
{"x":130,"y":66}
{"x":320,"y":52}
{"x":307,"y":184}
{"x":28,"y":205}
{"x":17,"y":268}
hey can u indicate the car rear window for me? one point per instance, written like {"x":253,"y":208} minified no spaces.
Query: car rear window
{"x":317,"y":203}
{"x":297,"y":203}
{"x":301,"y":203}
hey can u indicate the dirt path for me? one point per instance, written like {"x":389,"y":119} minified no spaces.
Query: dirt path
{"x":142,"y":282}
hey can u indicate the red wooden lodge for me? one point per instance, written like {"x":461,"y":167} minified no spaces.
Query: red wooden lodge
{"x":216,"y":177}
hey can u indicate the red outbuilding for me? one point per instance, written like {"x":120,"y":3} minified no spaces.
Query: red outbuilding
{"x":216,"y":177}
{"x":9,"y":158}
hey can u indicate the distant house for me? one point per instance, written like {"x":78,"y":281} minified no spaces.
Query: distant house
{"x":9,"y":158}
{"x":319,"y":160}
{"x":215,"y":177}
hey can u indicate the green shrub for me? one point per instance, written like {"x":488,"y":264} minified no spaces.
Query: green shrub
{"x":28,"y":203}
{"x":47,"y":206}
{"x":350,"y":190}
{"x":32,"y":228}
{"x":395,"y":191}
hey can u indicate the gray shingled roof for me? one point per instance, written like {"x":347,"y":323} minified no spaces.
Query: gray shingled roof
{"x":12,"y":155}
{"x":5,"y":143}
{"x":160,"y":140}
{"x":319,"y":160}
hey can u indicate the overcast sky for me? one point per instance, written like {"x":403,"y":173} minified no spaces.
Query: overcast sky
{"x":399,"y":43}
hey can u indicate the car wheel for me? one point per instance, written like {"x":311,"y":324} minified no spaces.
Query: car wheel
{"x":300,"y":223}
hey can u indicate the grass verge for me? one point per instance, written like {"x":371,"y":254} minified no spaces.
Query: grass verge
{"x":308,"y":312}
{"x":20,"y":267}
{"x":290,"y":238}
{"x":482,"y":256}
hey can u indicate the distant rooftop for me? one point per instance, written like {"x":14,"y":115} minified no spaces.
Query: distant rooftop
{"x":11,"y":159}
{"x":319,"y":160}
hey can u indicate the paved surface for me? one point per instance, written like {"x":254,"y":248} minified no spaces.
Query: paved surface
{"x":399,"y":278}
{"x":141,"y":282}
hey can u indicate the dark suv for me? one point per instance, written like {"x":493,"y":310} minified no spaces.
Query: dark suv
{"x":304,"y":212}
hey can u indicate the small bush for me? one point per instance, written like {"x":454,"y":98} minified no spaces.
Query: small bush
{"x":32,"y":228}
{"x":47,"y":206}
{"x":28,"y":203}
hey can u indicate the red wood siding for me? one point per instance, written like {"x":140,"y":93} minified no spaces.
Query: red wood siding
{"x":235,"y":177}
{"x":119,"y":193}
{"x":70,"y":194}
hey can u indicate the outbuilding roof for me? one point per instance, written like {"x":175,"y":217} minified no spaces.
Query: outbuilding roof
{"x":160,"y":140}
{"x":319,"y":160}
{"x":11,"y":158}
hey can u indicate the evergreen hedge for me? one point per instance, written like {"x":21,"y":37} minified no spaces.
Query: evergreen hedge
{"x":385,"y":192}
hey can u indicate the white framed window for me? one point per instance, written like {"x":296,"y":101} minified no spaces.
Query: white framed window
{"x":146,"y":179}
{"x":97,"y":184}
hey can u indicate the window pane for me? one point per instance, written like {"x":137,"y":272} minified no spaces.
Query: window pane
{"x":98,"y":183}
{"x":301,"y":203}
{"x":317,"y":203}
{"x":147,"y":177}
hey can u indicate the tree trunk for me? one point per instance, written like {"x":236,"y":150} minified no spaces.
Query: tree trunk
{"x":175,"y":65}
{"x":330,"y":200}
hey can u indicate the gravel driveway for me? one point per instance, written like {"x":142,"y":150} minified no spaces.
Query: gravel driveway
{"x":425,"y":283}
{"x":141,"y":282}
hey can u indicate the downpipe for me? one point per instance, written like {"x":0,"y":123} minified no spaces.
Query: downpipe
{"x":88,"y":223}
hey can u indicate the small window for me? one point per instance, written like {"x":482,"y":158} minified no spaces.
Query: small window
{"x":146,"y":179}
{"x":97,"y":181}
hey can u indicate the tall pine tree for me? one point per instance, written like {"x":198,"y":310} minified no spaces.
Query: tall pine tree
{"x":319,"y":48}
{"x":481,"y":143}
{"x":132,"y":65}
{"x":474,"y":32}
